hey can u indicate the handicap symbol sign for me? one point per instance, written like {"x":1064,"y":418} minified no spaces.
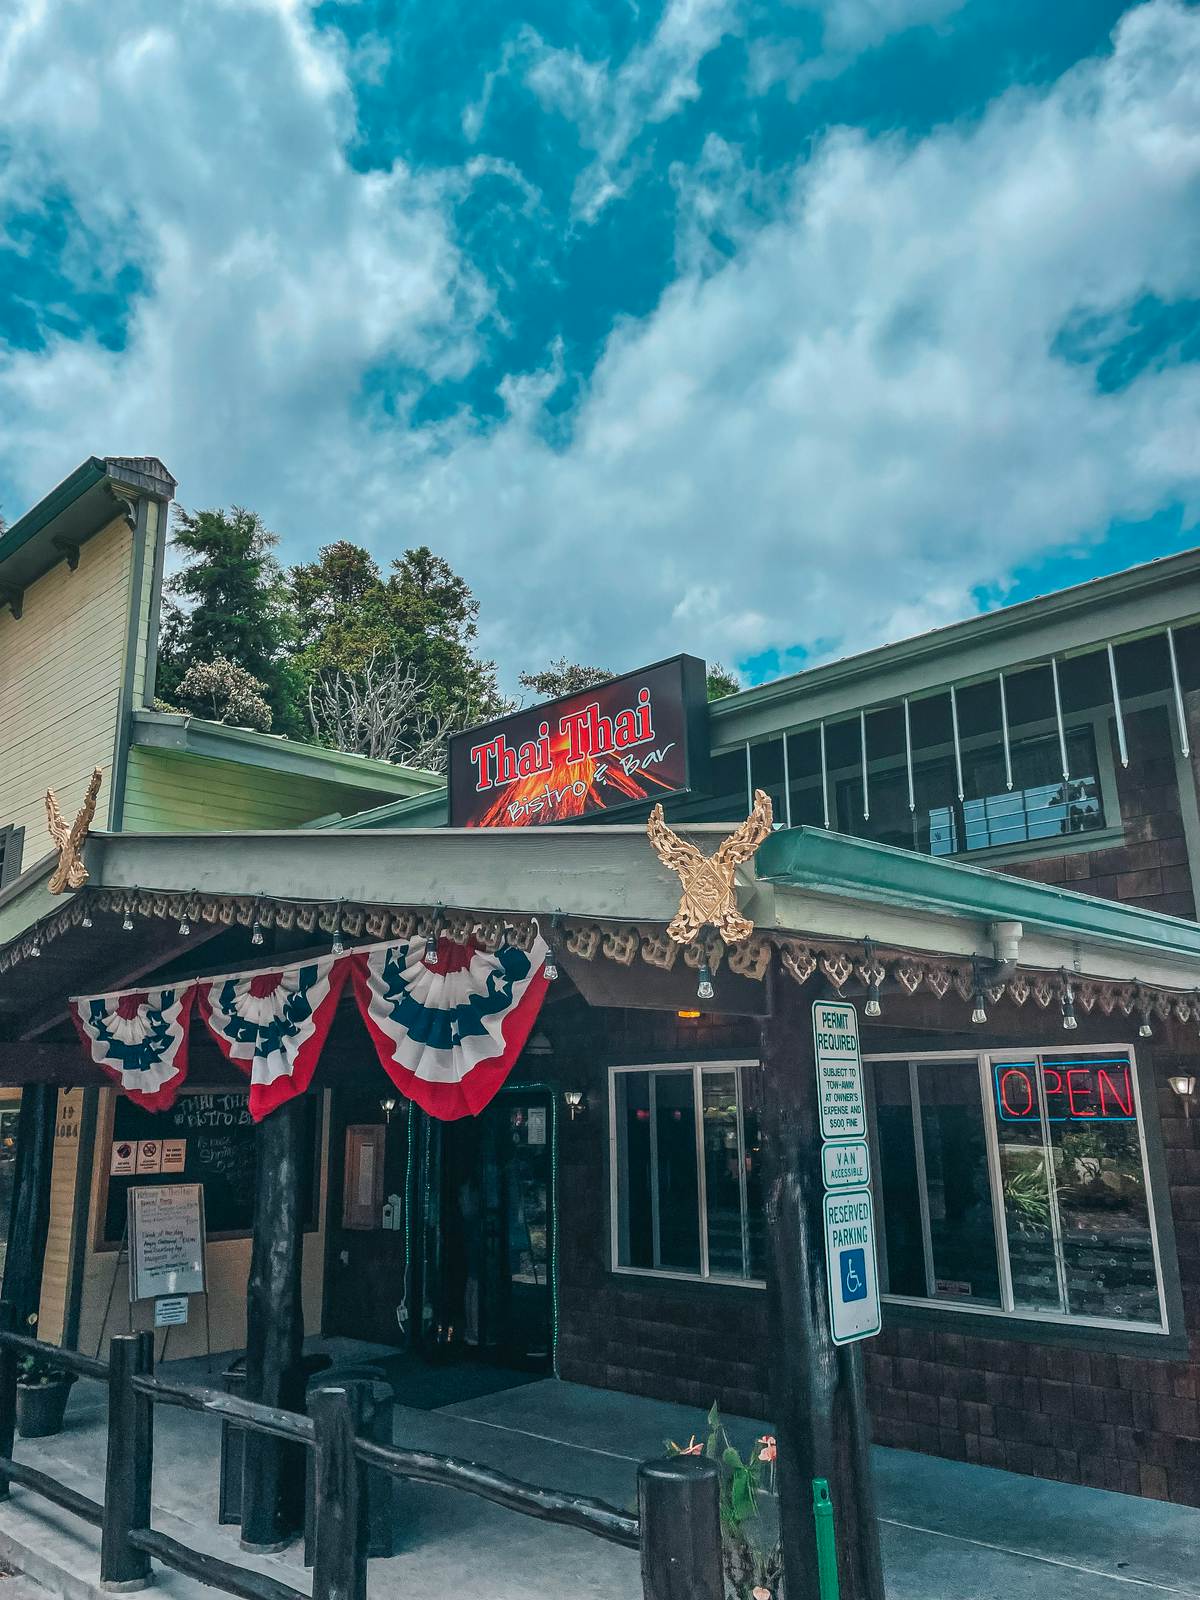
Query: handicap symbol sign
{"x":854,"y":1274}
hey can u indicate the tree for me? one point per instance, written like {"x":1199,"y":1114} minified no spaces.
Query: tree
{"x":228,"y":601}
{"x":721,"y":682}
{"x":224,"y":692}
{"x":382,"y":711}
{"x":389,"y":662}
{"x":562,"y":677}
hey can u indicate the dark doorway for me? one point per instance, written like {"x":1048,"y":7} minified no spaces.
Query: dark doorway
{"x":489,"y":1246}
{"x":441,"y":1235}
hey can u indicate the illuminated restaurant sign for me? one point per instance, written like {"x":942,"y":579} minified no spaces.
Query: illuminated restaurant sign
{"x":630,"y":740}
{"x":1077,"y":1090}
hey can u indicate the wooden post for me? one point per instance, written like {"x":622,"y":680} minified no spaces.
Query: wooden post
{"x":29,"y":1216}
{"x":8,"y":1393}
{"x":129,"y":1473}
{"x":817,"y":1399}
{"x":273,"y":1470}
{"x":339,"y":1495}
{"x":679,"y":1509}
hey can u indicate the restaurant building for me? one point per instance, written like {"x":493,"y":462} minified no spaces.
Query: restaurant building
{"x":986,"y":839}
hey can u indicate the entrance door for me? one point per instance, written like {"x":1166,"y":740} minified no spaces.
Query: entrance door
{"x":488,"y":1255}
{"x":366,"y":1286}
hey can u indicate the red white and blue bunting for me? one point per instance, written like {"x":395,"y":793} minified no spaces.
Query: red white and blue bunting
{"x":140,"y":1038}
{"x":449,"y":1034}
{"x":272,"y":1024}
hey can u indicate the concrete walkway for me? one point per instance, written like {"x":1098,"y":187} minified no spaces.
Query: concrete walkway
{"x":950,"y":1531}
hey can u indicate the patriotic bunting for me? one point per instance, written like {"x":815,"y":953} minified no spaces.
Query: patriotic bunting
{"x":448,"y":1035}
{"x":140,"y":1039}
{"x":273,"y":1024}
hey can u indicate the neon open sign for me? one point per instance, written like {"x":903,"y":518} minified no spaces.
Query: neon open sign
{"x":1076,"y":1091}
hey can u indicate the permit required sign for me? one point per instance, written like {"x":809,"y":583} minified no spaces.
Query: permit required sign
{"x":839,"y":1070}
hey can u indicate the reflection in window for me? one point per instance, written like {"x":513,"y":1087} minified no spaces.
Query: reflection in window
{"x":1040,"y":804}
{"x":1069,"y":1227}
{"x":688,"y":1187}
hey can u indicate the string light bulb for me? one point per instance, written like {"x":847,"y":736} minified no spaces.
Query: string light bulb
{"x":978,"y":1009}
{"x":337,"y":948}
{"x":704,"y":985}
{"x":1069,"y":1020}
{"x":256,"y":932}
{"x":35,"y":949}
{"x":872,"y":1007}
{"x":432,"y":954}
{"x":127,"y":923}
{"x":185,"y":926}
{"x":86,"y":921}
{"x":1145,"y":1027}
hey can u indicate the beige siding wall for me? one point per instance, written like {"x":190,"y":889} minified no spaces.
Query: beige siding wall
{"x":228,"y":1267}
{"x":60,"y":683}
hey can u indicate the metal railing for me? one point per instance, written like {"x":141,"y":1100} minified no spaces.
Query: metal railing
{"x":677,"y":1529}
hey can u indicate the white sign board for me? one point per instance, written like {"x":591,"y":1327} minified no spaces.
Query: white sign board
{"x":853,"y":1272}
{"x":846,"y":1164}
{"x":171,"y":1312}
{"x":839,"y":1070}
{"x":166,"y":1240}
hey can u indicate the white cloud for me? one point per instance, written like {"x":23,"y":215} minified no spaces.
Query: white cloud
{"x":830,"y":440}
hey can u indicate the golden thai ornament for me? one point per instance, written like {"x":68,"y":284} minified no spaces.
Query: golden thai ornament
{"x":70,"y":872}
{"x":708,"y":893}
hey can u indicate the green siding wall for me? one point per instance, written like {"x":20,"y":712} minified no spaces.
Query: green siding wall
{"x":173,"y":793}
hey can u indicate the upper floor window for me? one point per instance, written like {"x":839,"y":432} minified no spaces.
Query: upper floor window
{"x":1017,"y":1183}
{"x":11,"y":840}
{"x":686,"y":1185}
{"x":1039,"y":806}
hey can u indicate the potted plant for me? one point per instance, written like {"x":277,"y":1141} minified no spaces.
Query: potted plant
{"x":749,"y":1511}
{"x":42,"y":1391}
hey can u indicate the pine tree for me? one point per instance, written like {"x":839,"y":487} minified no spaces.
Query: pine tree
{"x":228,"y":601}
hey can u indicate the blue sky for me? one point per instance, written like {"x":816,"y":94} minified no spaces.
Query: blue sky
{"x":760,"y":328}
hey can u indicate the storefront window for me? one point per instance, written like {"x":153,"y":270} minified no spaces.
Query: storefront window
{"x":687,"y":1192}
{"x":1017,"y":1184}
{"x":1040,"y":804}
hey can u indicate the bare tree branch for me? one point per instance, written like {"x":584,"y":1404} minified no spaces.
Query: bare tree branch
{"x":381,"y":711}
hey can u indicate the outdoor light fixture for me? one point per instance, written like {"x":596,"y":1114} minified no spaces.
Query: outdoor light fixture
{"x":185,"y":926}
{"x":431,"y":941}
{"x":1184,"y":1086}
{"x":388,"y":1106}
{"x":550,"y":965}
{"x":1145,"y":1030}
{"x":979,"y":1010}
{"x":1070,"y":1022}
{"x":337,"y":948}
{"x":574,"y":1100}
{"x":872,"y":1007}
{"x":35,"y":949}
{"x":127,"y":924}
{"x":87,"y":917}
{"x":704,"y":986}
{"x":256,"y":933}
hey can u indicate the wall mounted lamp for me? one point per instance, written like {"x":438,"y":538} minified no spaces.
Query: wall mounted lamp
{"x":1184,"y":1086}
{"x":574,"y":1100}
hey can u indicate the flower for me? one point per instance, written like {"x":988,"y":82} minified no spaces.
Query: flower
{"x":693,"y":1448}
{"x":767,"y":1452}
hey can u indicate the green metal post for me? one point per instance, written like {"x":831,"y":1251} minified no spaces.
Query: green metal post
{"x":827,"y":1568}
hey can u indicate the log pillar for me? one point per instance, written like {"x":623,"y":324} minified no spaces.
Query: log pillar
{"x":273,"y":1471}
{"x":29,"y":1218}
{"x":817,"y":1395}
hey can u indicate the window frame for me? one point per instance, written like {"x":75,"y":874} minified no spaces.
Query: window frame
{"x":697,"y":1069}
{"x":1007,"y":1311}
{"x":12,"y":846}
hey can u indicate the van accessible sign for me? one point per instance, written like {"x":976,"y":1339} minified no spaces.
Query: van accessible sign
{"x":839,"y":1070}
{"x":624,"y":742}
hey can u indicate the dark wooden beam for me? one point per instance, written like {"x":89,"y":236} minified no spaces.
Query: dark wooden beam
{"x":29,"y":1216}
{"x":817,"y":1398}
{"x":273,"y":1472}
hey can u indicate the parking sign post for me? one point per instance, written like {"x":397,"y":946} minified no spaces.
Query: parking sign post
{"x":809,"y":1084}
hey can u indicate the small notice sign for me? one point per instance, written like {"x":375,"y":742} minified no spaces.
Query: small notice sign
{"x":166,"y":1240}
{"x":171,"y":1311}
{"x":149,"y":1155}
{"x":846,"y":1164}
{"x":124,"y":1156}
{"x":839,"y":1070}
{"x":853,"y":1273}
{"x":174,"y":1155}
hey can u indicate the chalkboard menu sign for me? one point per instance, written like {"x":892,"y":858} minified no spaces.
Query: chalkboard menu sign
{"x":204,"y":1138}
